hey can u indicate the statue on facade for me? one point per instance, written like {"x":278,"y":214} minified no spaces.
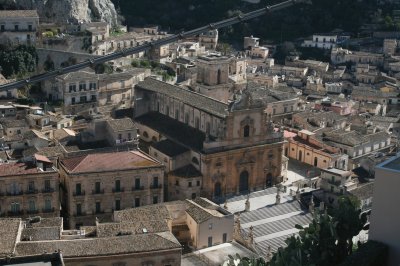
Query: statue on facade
{"x":247,"y":203}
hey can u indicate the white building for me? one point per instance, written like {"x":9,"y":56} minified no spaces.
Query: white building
{"x":322,"y":41}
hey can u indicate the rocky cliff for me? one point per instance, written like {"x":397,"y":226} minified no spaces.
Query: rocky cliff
{"x":68,"y":10}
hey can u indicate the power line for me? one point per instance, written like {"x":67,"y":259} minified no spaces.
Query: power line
{"x":149,"y":45}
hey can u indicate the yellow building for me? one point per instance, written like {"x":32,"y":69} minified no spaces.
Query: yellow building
{"x":234,"y":146}
{"x":94,"y":185}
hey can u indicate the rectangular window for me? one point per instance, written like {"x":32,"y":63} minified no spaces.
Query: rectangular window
{"x":31,"y":186}
{"x":82,"y":86}
{"x":117,"y":185}
{"x":32,"y":206}
{"x":93,"y":98}
{"x":137,"y":202}
{"x":190,"y":184}
{"x":198,"y":183}
{"x":15,"y":207}
{"x":155,"y":181}
{"x":97,"y":187}
{"x":210,"y":241}
{"x":137,"y":183}
{"x":47,"y":204}
{"x":155,"y":199}
{"x":3,"y":28}
{"x":129,"y":136}
{"x":83,"y":99}
{"x":78,"y":189}
{"x":73,"y":100}
{"x":72,"y":87}
{"x":176,"y":182}
{"x":224,"y":237}
{"x":29,"y":27}
{"x":210,"y":226}
{"x":117,"y":204}
{"x":92,"y":86}
{"x":98,"y":207}
{"x":47,"y":185}
{"x":119,"y":136}
{"x":78,"y":209}
{"x":16,"y":27}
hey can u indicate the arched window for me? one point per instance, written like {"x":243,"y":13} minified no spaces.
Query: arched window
{"x":246,"y":131}
{"x":145,"y":134}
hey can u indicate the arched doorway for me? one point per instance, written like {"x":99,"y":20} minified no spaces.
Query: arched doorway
{"x":300,"y":155}
{"x":244,"y":182}
{"x":269,"y":180}
{"x":217,"y":190}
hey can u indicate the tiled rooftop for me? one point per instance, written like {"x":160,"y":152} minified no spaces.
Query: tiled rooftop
{"x":12,"y":169}
{"x":18,"y":13}
{"x":8,"y":231}
{"x":191,"y":98}
{"x":100,"y":247}
{"x":112,"y":161}
{"x":122,"y":124}
{"x":170,"y":148}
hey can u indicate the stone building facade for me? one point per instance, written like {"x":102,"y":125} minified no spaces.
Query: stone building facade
{"x":234,"y":147}
{"x":97,"y":184}
{"x":87,"y":92}
{"x":29,"y":189}
{"x":18,"y":26}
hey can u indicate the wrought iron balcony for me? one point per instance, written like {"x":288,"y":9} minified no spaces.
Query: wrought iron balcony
{"x":14,"y":193}
{"x":32,"y":211}
{"x":15,"y":213}
{"x":155,"y":186}
{"x":46,"y":210}
{"x":118,"y":190}
{"x":48,"y":190}
{"x":101,"y":191}
{"x":137,"y":188}
{"x":78,"y":194}
{"x":32,"y":191}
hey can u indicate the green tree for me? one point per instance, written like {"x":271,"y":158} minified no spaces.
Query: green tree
{"x":349,"y":223}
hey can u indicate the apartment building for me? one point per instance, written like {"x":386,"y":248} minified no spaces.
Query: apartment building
{"x":29,"y":188}
{"x":97,"y":184}
{"x":18,"y":26}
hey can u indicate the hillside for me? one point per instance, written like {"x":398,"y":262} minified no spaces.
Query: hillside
{"x":299,"y":21}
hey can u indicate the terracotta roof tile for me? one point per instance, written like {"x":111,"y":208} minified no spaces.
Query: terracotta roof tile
{"x":11,"y":169}
{"x":112,"y":161}
{"x":18,"y":13}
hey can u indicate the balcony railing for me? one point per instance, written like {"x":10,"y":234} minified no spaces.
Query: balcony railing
{"x":77,"y":194}
{"x":80,"y":214}
{"x":136,"y":188}
{"x":118,"y":190}
{"x":155,"y":186}
{"x":46,"y":210}
{"x":14,"y":193}
{"x":31,"y":191}
{"x":101,"y":191}
{"x":15,"y":213}
{"x":48,"y":190}
{"x":32,"y":211}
